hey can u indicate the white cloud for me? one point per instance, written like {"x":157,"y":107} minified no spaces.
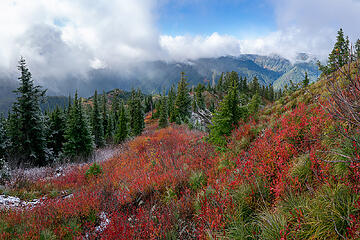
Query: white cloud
{"x":192,"y":47}
{"x":71,"y":37}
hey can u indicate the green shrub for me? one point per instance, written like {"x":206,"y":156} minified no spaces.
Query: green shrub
{"x":197,"y":180}
{"x":94,"y":170}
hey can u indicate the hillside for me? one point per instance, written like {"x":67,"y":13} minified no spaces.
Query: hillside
{"x":277,"y":178}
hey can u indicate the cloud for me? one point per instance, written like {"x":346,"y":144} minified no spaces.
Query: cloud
{"x":193,"y":47}
{"x":64,"y":40}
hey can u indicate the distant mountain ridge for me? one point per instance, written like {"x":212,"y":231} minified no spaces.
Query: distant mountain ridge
{"x":155,"y":76}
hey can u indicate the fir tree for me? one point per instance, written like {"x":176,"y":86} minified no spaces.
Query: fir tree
{"x":226,"y":118}
{"x":78,"y":138}
{"x":255,"y":86}
{"x":194,"y":104}
{"x":26,"y":110}
{"x":200,"y":101}
{"x":163,"y":120}
{"x":136,"y":110}
{"x":96,"y":123}
{"x":171,"y":104}
{"x":339,"y":56}
{"x":254,"y":104}
{"x":357,"y":49}
{"x":4,"y":141}
{"x":271,"y":93}
{"x":183,"y":100}
{"x":57,"y":125}
{"x":122,"y":129}
{"x":306,"y":80}
{"x":104,"y":113}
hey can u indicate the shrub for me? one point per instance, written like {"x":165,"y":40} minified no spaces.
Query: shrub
{"x":94,"y":170}
{"x":197,"y":180}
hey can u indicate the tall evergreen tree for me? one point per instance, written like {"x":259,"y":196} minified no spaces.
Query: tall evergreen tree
{"x":271,"y":93}
{"x":136,"y":110}
{"x":78,"y":139}
{"x":96,"y":123}
{"x":357,"y":49}
{"x":183,"y":100}
{"x":255,"y":86}
{"x":104,"y":112}
{"x":339,"y":56}
{"x":254,"y":104}
{"x":226,"y":118}
{"x":57,"y":125}
{"x":26,"y":110}
{"x":200,"y":101}
{"x":306,"y":80}
{"x":163,"y":120}
{"x":122,"y":129}
{"x":171,"y":104}
{"x":4,"y":140}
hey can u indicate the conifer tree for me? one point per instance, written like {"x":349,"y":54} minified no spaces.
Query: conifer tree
{"x":306,"y":80}
{"x":271,"y":93}
{"x":27,"y":113}
{"x":226,"y":118}
{"x":96,"y":123}
{"x":104,"y":112}
{"x":254,"y":104}
{"x":194,"y":104}
{"x":200,"y":101}
{"x":110,"y":127}
{"x":136,"y":110}
{"x":163,"y":120}
{"x":339,"y":56}
{"x":220,"y":83}
{"x":78,"y":138}
{"x":171,"y":104}
{"x":122,"y":129}
{"x":183,"y":100}
{"x":4,"y":141}
{"x":255,"y":86}
{"x":57,"y":125}
{"x":357,"y":49}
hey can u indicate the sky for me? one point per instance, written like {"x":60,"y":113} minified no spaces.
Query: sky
{"x":62,"y":37}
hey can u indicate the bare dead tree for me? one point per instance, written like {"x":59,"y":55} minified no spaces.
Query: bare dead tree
{"x":344,"y":102}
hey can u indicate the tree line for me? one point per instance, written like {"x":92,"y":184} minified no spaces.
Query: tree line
{"x":30,"y":137}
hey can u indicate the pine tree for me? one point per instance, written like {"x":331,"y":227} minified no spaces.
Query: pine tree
{"x":136,"y":110}
{"x":78,"y":138}
{"x":4,"y":141}
{"x":194,"y":106}
{"x":26,"y":110}
{"x":339,"y":56}
{"x":220,"y":83}
{"x":122,"y":129}
{"x":254,"y":104}
{"x":104,"y":113}
{"x":357,"y":49}
{"x":226,"y":118}
{"x":200,"y":101}
{"x":306,"y":80}
{"x":255,"y":86}
{"x":163,"y":120}
{"x":57,"y":125}
{"x":171,"y":104}
{"x":183,"y":100}
{"x":96,"y":123}
{"x":271,"y":93}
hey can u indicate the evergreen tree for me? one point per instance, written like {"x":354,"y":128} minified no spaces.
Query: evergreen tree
{"x":271,"y":93}
{"x":57,"y":125}
{"x":104,"y":113}
{"x":122,"y":129}
{"x":357,"y":49}
{"x":171,"y":104}
{"x":148,"y":104}
{"x":220,"y":84}
{"x":306,"y":80}
{"x":115,"y":108}
{"x":339,"y":56}
{"x":78,"y":138}
{"x":254,"y":104}
{"x":226,"y":118}
{"x":200,"y":101}
{"x":26,"y":110}
{"x":136,"y":110}
{"x":4,"y":141}
{"x":110,"y":127}
{"x":96,"y":123}
{"x":255,"y":86}
{"x":183,"y":100}
{"x":163,"y":120}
